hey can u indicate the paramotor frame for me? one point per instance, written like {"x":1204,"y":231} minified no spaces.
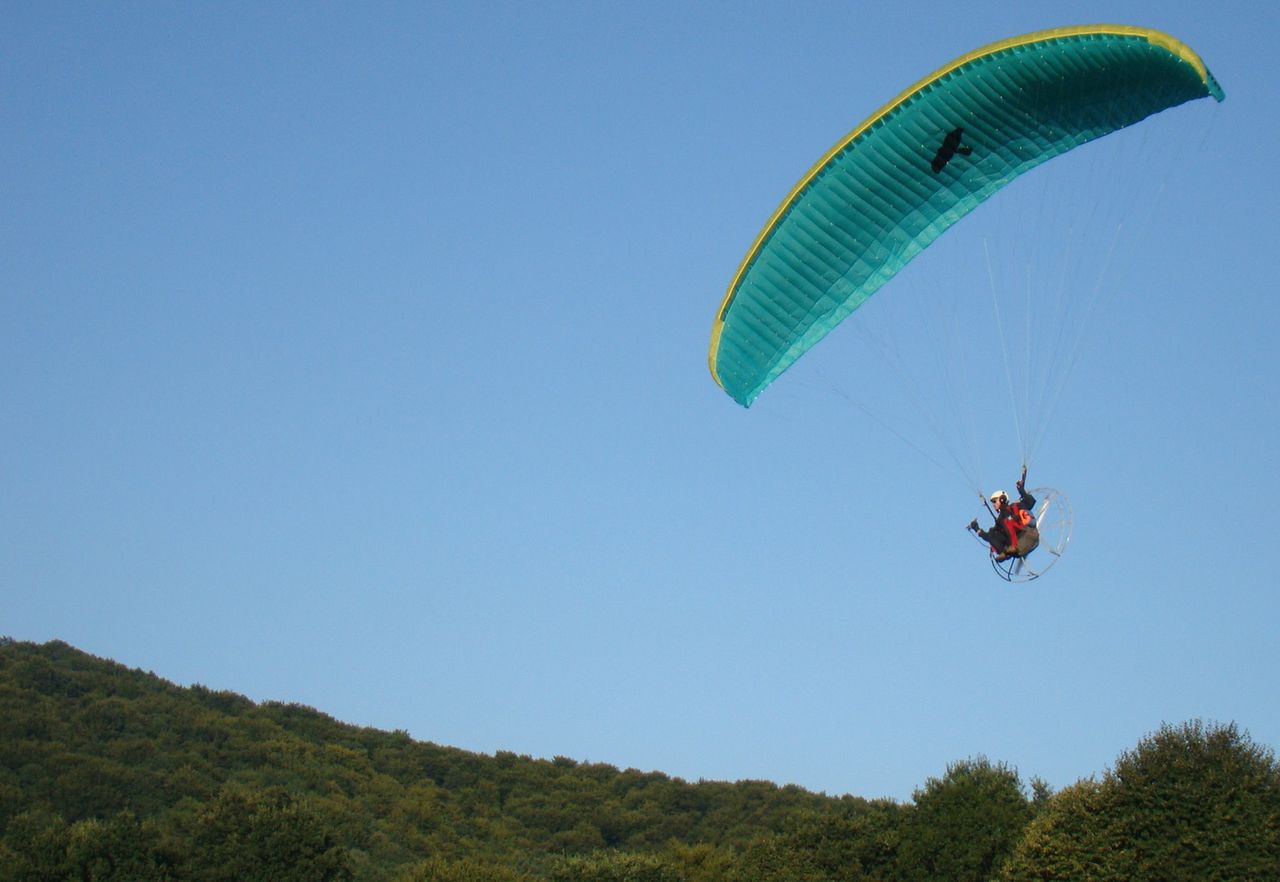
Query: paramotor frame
{"x":1053,"y":520}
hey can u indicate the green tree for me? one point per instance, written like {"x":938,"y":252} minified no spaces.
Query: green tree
{"x":703,"y":862}
{"x":34,"y":848}
{"x":861,"y":843}
{"x":774,"y":859}
{"x":962,"y":826}
{"x":615,"y":866}
{"x":121,"y":849}
{"x":1065,"y":841}
{"x":40,"y":847}
{"x":1191,"y":802}
{"x":263,"y":836}
{"x":464,"y":870}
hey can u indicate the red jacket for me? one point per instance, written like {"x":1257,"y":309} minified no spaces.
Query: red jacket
{"x":1015,"y":518}
{"x":1015,"y":521}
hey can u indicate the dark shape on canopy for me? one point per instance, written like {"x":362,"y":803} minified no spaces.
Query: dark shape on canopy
{"x":875,"y":201}
{"x":950,"y":147}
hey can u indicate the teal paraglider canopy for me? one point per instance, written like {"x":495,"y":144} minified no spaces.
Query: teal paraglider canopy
{"x":919,"y":164}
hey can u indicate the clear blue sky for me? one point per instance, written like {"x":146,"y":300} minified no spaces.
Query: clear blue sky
{"x":355,"y":355}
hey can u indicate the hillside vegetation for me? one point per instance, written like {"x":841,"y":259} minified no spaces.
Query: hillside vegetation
{"x":108,"y":773}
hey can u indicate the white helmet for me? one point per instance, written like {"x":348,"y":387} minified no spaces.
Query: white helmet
{"x":997,"y":496}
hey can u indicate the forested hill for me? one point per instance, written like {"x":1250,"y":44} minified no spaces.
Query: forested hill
{"x":108,"y":773}
{"x":82,"y":737}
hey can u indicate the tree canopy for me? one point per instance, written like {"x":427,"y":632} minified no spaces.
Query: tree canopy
{"x":1190,"y":802}
{"x":114,"y":774}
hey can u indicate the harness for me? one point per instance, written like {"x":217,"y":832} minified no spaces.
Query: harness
{"x":1017,"y":520}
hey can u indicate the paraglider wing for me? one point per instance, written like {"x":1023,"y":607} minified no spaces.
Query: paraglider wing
{"x":922,"y":162}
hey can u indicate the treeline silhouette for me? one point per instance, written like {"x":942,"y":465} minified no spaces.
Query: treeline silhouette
{"x":114,"y":775}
